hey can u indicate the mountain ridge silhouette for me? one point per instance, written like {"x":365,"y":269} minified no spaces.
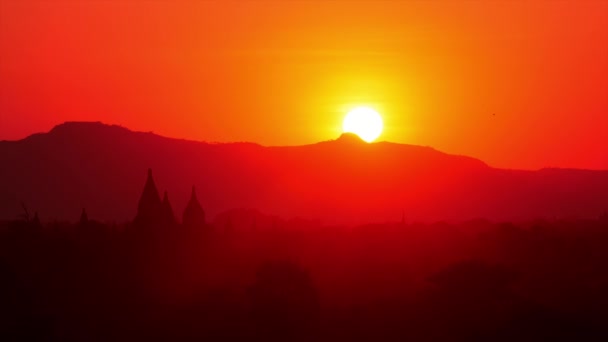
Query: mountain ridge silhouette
{"x":103,"y":167}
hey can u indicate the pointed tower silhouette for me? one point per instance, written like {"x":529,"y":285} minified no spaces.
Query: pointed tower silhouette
{"x":167,"y":211}
{"x":36,"y":221}
{"x":194,"y":215}
{"x":150,"y":206}
{"x":84,"y":218}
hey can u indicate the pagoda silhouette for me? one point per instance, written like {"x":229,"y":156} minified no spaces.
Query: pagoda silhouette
{"x":167,"y":214}
{"x":154,"y":212}
{"x":194,"y":215}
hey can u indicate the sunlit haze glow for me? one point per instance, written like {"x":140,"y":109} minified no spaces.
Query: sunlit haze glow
{"x":517,"y":84}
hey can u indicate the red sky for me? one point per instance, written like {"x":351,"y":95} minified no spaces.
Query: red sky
{"x":285,"y":72}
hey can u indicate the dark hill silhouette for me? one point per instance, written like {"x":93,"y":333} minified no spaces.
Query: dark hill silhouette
{"x":102,"y":168}
{"x":350,"y":138}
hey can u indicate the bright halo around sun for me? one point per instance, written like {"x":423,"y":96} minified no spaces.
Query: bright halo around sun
{"x":364,"y":122}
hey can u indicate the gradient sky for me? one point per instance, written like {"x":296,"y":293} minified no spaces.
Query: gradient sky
{"x":285,"y":72}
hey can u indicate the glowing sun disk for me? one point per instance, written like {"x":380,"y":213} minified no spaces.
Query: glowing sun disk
{"x":364,"y":122}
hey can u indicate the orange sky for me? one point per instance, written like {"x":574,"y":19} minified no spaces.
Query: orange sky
{"x":285,"y":72}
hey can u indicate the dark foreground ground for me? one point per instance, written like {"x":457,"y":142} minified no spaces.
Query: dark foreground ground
{"x":244,"y":279}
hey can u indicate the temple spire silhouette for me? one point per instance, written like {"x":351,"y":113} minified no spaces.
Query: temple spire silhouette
{"x":194,"y":215}
{"x":167,"y":210}
{"x":36,"y":221}
{"x":150,"y":207}
{"x":84,"y":218}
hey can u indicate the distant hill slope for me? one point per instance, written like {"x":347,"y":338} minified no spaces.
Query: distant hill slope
{"x":103,"y":168}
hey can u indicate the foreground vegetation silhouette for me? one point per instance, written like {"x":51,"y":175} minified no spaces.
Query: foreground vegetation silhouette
{"x":251,"y":277}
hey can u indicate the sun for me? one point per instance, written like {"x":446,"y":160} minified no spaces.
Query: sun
{"x":364,"y":122}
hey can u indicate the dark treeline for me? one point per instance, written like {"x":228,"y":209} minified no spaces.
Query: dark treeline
{"x":249,"y":277}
